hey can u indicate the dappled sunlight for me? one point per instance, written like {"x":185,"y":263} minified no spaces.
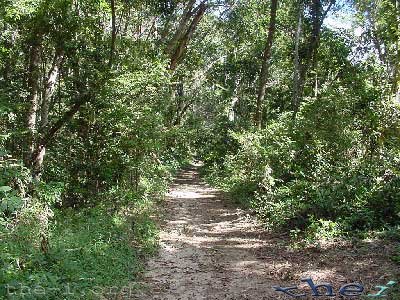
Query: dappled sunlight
{"x":170,"y":249}
{"x":208,"y":247}
{"x":320,"y":275}
{"x":112,"y":111}
{"x":178,"y":222}
{"x":189,"y":195}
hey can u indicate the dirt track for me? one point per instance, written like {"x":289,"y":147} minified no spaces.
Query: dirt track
{"x":210,"y":249}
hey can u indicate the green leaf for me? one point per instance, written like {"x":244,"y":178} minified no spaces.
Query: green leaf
{"x":5,"y":188}
{"x":14,"y":203}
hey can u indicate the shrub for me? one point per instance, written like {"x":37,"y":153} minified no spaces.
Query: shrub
{"x":322,"y":173}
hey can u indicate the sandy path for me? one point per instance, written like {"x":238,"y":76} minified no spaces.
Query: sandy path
{"x":210,"y":249}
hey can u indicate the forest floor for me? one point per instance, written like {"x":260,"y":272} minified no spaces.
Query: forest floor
{"x":211,"y":249}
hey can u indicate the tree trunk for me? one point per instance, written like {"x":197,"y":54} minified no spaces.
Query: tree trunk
{"x":180,"y":49}
{"x":48,"y":92}
{"x":265,"y":63}
{"x":397,"y":66}
{"x":113,"y":34}
{"x":180,"y":31}
{"x":177,"y":46}
{"x":318,"y":17}
{"x":313,"y":42}
{"x":38,"y":153}
{"x":33,"y":98}
{"x":296,"y":73}
{"x":7,"y":62}
{"x":179,"y":103}
{"x":235,"y":100}
{"x":50,"y":85}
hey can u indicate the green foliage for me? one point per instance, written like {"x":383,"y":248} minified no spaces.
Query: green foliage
{"x":120,"y":121}
{"x":83,"y":223}
{"x":323,"y":173}
{"x":92,"y":251}
{"x":14,"y":181}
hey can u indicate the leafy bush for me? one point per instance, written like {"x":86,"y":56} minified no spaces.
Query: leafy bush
{"x":91,"y":252}
{"x":322,"y":170}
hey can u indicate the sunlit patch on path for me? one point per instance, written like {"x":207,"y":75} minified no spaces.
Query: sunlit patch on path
{"x":210,"y":249}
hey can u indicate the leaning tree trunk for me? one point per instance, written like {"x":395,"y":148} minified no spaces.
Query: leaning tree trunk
{"x":177,"y":53}
{"x":265,"y":63}
{"x":180,"y":31}
{"x":50,"y":85}
{"x":48,"y":137}
{"x":182,"y":44}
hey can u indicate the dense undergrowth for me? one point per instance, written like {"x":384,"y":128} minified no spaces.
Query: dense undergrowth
{"x":91,"y":252}
{"x":333,"y":172}
{"x":82,"y":228}
{"x":75,"y":214}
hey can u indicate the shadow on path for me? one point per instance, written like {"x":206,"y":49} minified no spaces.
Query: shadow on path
{"x":210,"y":249}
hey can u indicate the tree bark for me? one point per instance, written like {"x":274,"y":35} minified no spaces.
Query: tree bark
{"x":396,"y":86}
{"x":235,"y":99}
{"x":180,"y":31}
{"x":113,"y":33}
{"x":312,"y":44}
{"x":318,"y":17}
{"x":265,"y":63}
{"x":51,"y":80}
{"x":182,"y":44}
{"x":38,"y":153}
{"x":33,"y":98}
{"x":50,"y":85}
{"x":7,"y":62}
{"x":296,"y":73}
